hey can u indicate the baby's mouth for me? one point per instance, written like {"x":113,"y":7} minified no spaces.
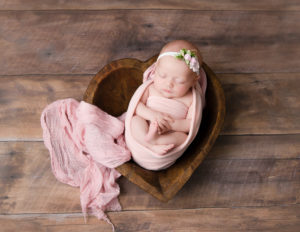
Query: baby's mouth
{"x":166,"y":90}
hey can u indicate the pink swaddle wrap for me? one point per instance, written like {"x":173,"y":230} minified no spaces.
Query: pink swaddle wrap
{"x":145,"y":157}
{"x":176,"y":109}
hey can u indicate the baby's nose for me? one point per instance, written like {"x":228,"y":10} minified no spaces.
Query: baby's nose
{"x":170,"y":84}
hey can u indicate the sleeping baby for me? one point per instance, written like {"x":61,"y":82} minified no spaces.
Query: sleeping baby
{"x":162,"y":118}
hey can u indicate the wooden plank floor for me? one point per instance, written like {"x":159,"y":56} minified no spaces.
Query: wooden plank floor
{"x":250,"y":181}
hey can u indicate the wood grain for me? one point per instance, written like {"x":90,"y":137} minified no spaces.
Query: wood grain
{"x":23,"y":98}
{"x":262,"y":104}
{"x":275,"y":219}
{"x":256,"y":147}
{"x":154,"y":4}
{"x":255,"y":103}
{"x":25,"y":173}
{"x":68,"y":42}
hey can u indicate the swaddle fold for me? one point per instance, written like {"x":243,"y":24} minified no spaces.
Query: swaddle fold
{"x":176,"y":109}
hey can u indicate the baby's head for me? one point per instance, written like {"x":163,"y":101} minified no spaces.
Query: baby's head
{"x":173,"y":77}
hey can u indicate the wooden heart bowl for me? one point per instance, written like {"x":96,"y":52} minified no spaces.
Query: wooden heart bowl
{"x":111,"y":90}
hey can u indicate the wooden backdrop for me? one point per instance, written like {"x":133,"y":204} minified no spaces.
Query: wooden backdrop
{"x":250,"y":181}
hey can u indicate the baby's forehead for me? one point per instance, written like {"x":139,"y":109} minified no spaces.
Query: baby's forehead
{"x":169,"y":63}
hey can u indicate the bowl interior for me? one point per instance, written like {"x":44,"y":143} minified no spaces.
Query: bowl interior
{"x":115,"y":91}
{"x":111,"y":90}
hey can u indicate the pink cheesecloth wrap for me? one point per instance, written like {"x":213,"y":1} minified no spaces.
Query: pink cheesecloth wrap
{"x":86,"y":144}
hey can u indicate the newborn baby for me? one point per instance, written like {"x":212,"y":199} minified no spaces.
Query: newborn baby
{"x":157,"y":123}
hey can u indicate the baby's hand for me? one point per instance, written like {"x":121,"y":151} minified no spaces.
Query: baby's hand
{"x":163,"y":121}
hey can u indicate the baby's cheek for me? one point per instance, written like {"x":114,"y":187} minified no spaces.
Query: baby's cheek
{"x":181,"y":89}
{"x":156,"y":83}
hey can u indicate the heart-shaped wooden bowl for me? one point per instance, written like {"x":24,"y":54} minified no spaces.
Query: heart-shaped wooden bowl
{"x":112,"y":88}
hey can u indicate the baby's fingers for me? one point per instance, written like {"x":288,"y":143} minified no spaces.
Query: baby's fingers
{"x":168,"y":118}
{"x":167,"y":126}
{"x":162,"y":125}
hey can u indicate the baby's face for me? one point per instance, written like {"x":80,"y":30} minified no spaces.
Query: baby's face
{"x":172,"y":77}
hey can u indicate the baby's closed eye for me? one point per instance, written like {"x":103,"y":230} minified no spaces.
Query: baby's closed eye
{"x":180,"y":81}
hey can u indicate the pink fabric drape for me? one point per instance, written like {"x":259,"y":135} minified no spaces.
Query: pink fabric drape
{"x":85,"y":145}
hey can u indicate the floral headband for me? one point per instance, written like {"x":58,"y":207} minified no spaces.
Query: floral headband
{"x":187,"y":56}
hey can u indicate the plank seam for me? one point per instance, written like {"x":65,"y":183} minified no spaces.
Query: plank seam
{"x":89,"y":74}
{"x":150,"y":210}
{"x":147,"y":9}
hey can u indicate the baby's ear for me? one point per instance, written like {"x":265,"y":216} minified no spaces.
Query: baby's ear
{"x":197,"y":77}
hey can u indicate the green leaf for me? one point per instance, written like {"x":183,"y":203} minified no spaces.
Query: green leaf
{"x":183,"y":51}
